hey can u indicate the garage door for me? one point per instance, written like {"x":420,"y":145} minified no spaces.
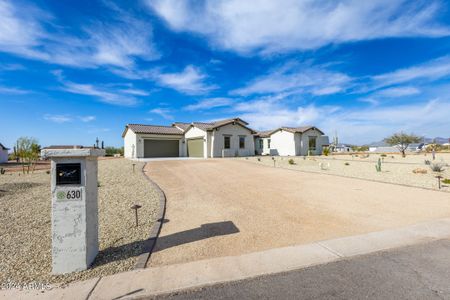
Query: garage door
{"x":161,"y":148}
{"x":195,"y":147}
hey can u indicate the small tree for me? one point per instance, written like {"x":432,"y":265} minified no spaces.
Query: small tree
{"x":402,"y":141}
{"x":28,"y":151}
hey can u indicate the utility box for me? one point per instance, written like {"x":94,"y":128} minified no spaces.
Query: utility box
{"x":74,"y":189}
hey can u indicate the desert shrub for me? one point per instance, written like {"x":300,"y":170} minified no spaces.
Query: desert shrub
{"x":291,"y":161}
{"x":446,"y":181}
{"x":347,"y":163}
{"x":2,"y":171}
{"x":326,"y":151}
{"x":383,"y":155}
{"x":437,"y":167}
{"x":259,"y":158}
{"x":110,"y":151}
{"x":427,"y":162}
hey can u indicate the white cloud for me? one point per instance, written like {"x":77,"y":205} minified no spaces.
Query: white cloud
{"x":87,"y":118}
{"x":267,"y":26}
{"x":189,"y":81}
{"x":24,"y":32}
{"x":354,"y":124}
{"x":135,"y":92}
{"x":106,"y":95}
{"x":297,"y":78}
{"x":395,"y":92}
{"x":428,"y":71}
{"x":13,"y":91}
{"x":58,"y":118}
{"x":210,"y":103}
{"x":163,"y":112}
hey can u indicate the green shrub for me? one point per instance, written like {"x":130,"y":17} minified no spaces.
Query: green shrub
{"x":446,"y":181}
{"x":2,"y":171}
{"x":383,"y":155}
{"x":347,"y":163}
{"x":291,"y":161}
{"x":110,"y":151}
{"x":326,"y":151}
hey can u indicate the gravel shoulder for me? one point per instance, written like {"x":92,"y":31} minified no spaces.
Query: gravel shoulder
{"x":395,"y":169}
{"x":25,"y":224}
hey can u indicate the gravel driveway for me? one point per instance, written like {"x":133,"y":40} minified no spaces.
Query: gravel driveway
{"x":221,"y":207}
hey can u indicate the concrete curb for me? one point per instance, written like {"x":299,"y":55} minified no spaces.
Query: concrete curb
{"x":149,"y":244}
{"x":150,"y":282}
{"x":351,"y":177}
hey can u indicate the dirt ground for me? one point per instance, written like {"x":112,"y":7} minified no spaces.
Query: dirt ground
{"x":221,"y":207}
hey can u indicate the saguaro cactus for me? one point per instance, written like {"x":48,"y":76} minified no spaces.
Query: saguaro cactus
{"x":378,"y":165}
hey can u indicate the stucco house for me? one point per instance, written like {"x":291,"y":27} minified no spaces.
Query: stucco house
{"x":3,"y":154}
{"x":291,"y":141}
{"x":224,"y":138}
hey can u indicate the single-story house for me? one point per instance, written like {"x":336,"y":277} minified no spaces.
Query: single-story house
{"x":224,"y":138}
{"x":291,"y":141}
{"x":3,"y":154}
{"x":342,"y":148}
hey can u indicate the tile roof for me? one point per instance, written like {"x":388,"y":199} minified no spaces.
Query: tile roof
{"x":179,"y":128}
{"x":302,"y":129}
{"x":210,"y":125}
{"x":155,"y":129}
{"x":263,"y":134}
{"x":298,"y":129}
{"x":182,"y":125}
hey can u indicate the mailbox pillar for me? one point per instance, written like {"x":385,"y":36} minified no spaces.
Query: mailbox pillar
{"x":74,"y":189}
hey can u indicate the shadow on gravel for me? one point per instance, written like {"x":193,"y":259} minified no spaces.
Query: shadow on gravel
{"x":205,"y":231}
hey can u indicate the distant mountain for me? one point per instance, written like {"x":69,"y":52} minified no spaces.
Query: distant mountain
{"x":426,"y":140}
{"x":438,"y":140}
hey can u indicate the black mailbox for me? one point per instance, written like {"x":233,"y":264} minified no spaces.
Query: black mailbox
{"x":68,"y":174}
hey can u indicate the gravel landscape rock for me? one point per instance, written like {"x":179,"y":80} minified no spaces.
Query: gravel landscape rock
{"x":25,"y":224}
{"x":394,"y":168}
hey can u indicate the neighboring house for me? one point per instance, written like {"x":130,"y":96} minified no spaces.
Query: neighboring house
{"x":415,"y":147}
{"x":291,"y":141}
{"x":225,"y":138}
{"x":342,"y":148}
{"x":3,"y":154}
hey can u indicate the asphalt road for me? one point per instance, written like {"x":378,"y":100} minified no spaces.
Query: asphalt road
{"x":415,"y":272}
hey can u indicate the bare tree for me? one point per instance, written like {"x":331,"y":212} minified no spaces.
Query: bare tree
{"x":402,"y":140}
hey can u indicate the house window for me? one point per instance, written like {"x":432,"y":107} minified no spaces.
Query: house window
{"x":261,"y":144}
{"x":268,"y":143}
{"x":226,"y":142}
{"x":312,"y":143}
{"x":242,"y":142}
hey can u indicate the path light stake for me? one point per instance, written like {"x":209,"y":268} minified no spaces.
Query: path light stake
{"x":136,"y":207}
{"x":133,"y":167}
{"x":439,"y":177}
{"x":273,"y":158}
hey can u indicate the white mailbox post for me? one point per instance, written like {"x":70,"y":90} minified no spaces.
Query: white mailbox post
{"x":74,"y":186}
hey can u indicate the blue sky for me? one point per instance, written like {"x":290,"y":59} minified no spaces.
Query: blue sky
{"x":71,"y":71}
